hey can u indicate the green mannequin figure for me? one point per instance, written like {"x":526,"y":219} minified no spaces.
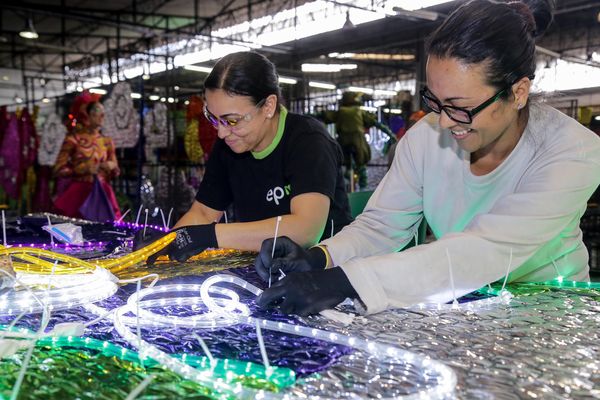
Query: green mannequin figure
{"x":350,"y":124}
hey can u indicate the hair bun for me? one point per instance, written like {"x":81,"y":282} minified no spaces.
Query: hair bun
{"x":538,"y":14}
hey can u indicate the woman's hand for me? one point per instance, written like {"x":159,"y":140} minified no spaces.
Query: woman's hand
{"x":305,"y":293}
{"x":109,"y":166}
{"x":287,"y":257}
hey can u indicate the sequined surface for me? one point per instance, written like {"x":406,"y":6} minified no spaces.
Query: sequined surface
{"x":76,"y":374}
{"x":545,"y":344}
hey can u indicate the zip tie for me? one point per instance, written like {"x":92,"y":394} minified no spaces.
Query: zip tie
{"x":162,"y":215}
{"x":454,"y":302}
{"x":169,"y":218}
{"x":137,"y":219}
{"x":123,"y":215}
{"x":273,"y":249}
{"x":507,"y":270}
{"x":209,"y":355}
{"x":261,"y":345}
{"x":51,"y":236}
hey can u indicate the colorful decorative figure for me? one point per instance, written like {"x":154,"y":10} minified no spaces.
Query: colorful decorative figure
{"x":86,"y":163}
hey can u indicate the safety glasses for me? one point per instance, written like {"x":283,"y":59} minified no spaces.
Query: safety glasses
{"x":233,"y":120}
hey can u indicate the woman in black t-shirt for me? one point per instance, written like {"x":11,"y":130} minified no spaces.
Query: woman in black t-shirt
{"x":266,"y":163}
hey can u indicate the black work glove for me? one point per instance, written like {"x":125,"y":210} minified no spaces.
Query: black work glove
{"x":288,"y":257}
{"x":141,"y":239}
{"x":190,"y":240}
{"x":305,"y":293}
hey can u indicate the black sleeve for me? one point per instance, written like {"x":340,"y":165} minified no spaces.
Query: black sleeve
{"x":214,"y":190}
{"x":312,"y":162}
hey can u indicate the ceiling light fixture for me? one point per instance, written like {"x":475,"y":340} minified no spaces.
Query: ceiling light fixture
{"x":384,"y":92}
{"x":288,"y":81}
{"x":98,"y":91}
{"x":197,"y":68}
{"x":29,"y":31}
{"x":373,"y":56}
{"x":416,"y":14}
{"x":321,"y":85}
{"x":327,"y":67}
{"x":415,"y":5}
{"x":360,"y":89}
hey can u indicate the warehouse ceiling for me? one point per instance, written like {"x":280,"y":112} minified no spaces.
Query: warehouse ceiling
{"x":76,"y":35}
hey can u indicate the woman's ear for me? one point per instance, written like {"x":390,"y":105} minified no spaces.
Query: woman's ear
{"x":270,"y":106}
{"x":520,"y":90}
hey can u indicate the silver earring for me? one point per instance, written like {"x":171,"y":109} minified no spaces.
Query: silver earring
{"x":519,"y":106}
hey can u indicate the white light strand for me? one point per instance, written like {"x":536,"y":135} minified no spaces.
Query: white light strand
{"x":230,"y":311}
{"x":71,"y":290}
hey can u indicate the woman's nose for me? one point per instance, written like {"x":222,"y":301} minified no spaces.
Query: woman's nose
{"x":223,"y":131}
{"x":445,"y":121}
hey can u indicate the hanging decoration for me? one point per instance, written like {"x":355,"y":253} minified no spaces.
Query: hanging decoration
{"x":180,"y":189}
{"x":11,"y":160}
{"x":199,"y":131}
{"x":155,"y":129}
{"x":192,"y":143}
{"x":29,"y":138}
{"x":52,"y":134}
{"x":121,"y":120}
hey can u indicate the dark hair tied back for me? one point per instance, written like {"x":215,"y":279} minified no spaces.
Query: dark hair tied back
{"x":536,"y":13}
{"x":499,"y":35}
{"x":245,"y":73}
{"x":524,"y":12}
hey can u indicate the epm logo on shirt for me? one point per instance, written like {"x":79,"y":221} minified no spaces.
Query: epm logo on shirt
{"x":277,"y":193}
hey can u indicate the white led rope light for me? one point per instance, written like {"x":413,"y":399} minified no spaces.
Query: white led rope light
{"x":503,"y":297}
{"x":69,"y":291}
{"x":228,"y":311}
{"x":153,"y":320}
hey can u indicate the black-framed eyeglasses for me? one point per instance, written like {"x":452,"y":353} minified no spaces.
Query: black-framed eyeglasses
{"x":231,"y":121}
{"x":457,"y":114}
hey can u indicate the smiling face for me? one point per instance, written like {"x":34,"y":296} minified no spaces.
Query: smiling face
{"x":495,"y":130}
{"x":253,"y":129}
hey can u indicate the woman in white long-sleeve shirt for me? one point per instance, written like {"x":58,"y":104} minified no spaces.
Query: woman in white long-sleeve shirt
{"x":497,"y":177}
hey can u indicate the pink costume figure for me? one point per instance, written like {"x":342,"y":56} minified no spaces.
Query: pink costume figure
{"x":85,"y":155}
